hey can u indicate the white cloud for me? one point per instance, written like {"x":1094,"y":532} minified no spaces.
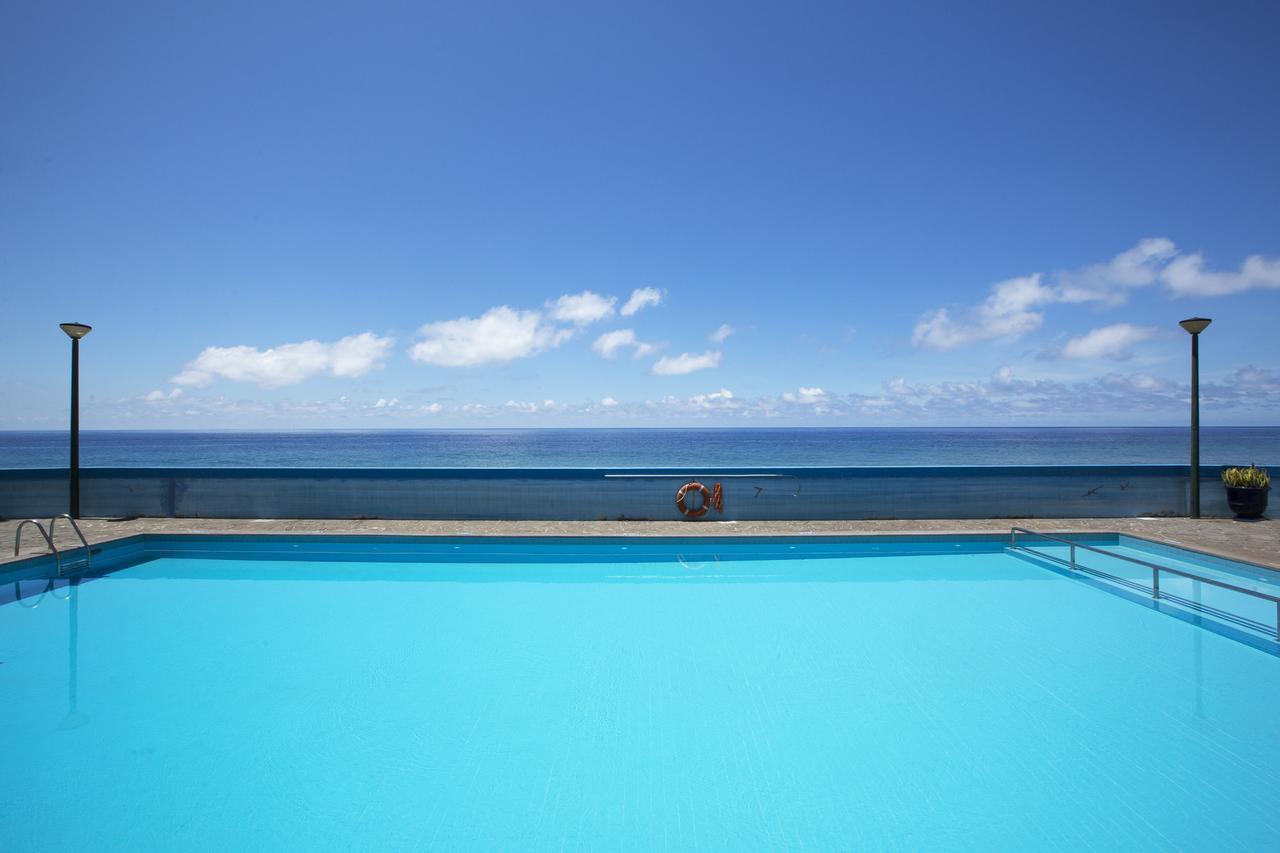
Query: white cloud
{"x":1114,"y":342}
{"x":722,"y":400}
{"x":721,"y":334}
{"x":159,"y":396}
{"x":288,"y":364}
{"x":810,"y":396}
{"x":609,"y":343}
{"x":358,"y":354}
{"x":581,"y":308}
{"x":642,"y":298}
{"x":498,"y":335}
{"x":1003,"y":398}
{"x":1110,"y":282}
{"x":1186,"y":276}
{"x":686,"y":363}
{"x":1015,"y":306}
{"x":1007,"y":312}
{"x":1136,"y":383}
{"x":1258,"y":387}
{"x":529,"y":408}
{"x":504,"y":334}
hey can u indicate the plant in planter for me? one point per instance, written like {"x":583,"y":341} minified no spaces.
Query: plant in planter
{"x":1247,"y":490}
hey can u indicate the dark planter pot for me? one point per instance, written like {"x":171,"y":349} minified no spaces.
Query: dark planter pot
{"x":1247,"y":503}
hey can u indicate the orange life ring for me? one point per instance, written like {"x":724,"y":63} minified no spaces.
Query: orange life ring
{"x":693,"y":486}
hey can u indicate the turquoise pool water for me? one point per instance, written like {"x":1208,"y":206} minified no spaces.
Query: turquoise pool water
{"x":311,"y":693}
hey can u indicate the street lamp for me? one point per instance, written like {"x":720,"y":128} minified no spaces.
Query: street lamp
{"x":75,"y":331}
{"x":1194,"y":326}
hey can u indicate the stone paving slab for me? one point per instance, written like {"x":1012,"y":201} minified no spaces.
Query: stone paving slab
{"x":1255,"y":541}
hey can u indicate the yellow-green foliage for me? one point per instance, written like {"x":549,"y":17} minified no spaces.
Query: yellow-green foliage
{"x":1252,"y":477}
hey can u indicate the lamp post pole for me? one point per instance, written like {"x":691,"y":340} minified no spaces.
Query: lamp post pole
{"x":75,"y":331}
{"x":75,"y":428}
{"x":1194,"y":326}
{"x":1195,"y":426}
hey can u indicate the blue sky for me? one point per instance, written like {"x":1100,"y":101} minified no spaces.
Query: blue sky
{"x":484,"y":214}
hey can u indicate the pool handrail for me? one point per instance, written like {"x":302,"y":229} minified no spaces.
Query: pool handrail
{"x":88,"y":553}
{"x":53,"y":549}
{"x":1155,"y":568}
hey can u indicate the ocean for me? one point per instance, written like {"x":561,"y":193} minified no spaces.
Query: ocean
{"x":573,"y":448}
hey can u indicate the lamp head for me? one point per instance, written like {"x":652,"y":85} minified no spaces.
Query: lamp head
{"x":75,"y":331}
{"x":1195,"y":325}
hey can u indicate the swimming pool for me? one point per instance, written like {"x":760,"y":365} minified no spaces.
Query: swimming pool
{"x":278,"y":692}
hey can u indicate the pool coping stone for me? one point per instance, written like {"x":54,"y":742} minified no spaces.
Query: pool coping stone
{"x":1251,"y":541}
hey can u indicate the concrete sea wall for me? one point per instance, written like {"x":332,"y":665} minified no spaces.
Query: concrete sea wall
{"x":614,"y":493}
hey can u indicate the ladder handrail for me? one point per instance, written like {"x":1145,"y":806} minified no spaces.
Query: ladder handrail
{"x":1155,"y":568}
{"x":88,"y":554}
{"x":18,"y":596}
{"x":17,"y":541}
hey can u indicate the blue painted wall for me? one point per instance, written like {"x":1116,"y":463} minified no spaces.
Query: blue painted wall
{"x":613,"y":493}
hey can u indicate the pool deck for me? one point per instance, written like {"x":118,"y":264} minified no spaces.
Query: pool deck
{"x":1253,"y":541}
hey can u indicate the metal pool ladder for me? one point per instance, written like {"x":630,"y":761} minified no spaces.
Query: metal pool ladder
{"x":47,"y":535}
{"x":1154,"y":590}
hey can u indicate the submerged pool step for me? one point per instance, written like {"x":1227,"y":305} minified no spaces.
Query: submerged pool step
{"x":1157,"y":592}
